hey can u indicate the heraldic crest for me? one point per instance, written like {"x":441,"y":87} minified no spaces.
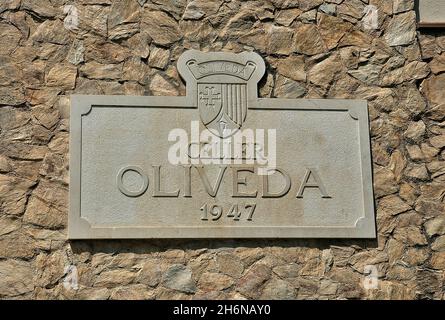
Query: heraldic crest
{"x":223,"y":84}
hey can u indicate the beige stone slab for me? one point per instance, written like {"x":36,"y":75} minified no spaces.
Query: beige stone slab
{"x":124,"y":185}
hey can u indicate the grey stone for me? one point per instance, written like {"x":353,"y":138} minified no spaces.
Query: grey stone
{"x":179,"y":277}
{"x":368,"y":73}
{"x":160,"y":27}
{"x":401,"y":29}
{"x":76,"y":53}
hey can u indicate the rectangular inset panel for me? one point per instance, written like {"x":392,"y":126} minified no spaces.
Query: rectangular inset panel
{"x":124,"y":185}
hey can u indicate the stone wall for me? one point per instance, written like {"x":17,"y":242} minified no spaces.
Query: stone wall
{"x":50,"y":49}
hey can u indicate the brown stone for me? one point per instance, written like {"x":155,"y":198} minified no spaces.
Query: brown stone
{"x":14,"y":194}
{"x":415,"y":256}
{"x":252,"y":282}
{"x":287,"y":16}
{"x":415,"y":130}
{"x":150,"y":274}
{"x":393,"y":205}
{"x":307,"y":40}
{"x":412,"y":71}
{"x":10,"y":38}
{"x":114,"y":278}
{"x":47,"y":206}
{"x":355,"y":38}
{"x":291,"y":67}
{"x":42,"y":214}
{"x":132,"y":292}
{"x":123,"y":19}
{"x":229,"y":264}
{"x":437,"y":65}
{"x":332,"y":29}
{"x":400,"y":273}
{"x":415,"y":70}
{"x":17,"y":245}
{"x":432,"y":88}
{"x":94,"y":70}
{"x":417,"y":172}
{"x":8,"y":225}
{"x":384,"y":182}
{"x":429,"y":152}
{"x":52,"y":31}
{"x":277,"y":289}
{"x":63,"y":76}
{"x":16,"y":278}
{"x":429,"y":208}
{"x":410,"y":235}
{"x":50,"y":268}
{"x":414,"y":152}
{"x":438,"y":141}
{"x":325,"y":72}
{"x":159,"y":58}
{"x":198,"y":9}
{"x":437,"y":169}
{"x":380,"y":155}
{"x":136,"y":70}
{"x":438,"y":244}
{"x":105,"y":52}
{"x":280,"y":40}
{"x":160,"y":27}
{"x":12,"y":96}
{"x":55,"y":168}
{"x":411,"y":99}
{"x":159,"y":86}
{"x":352,"y":8}
{"x":438,"y":260}
{"x":256,"y":39}
{"x":93,"y":18}
{"x":435,"y":226}
{"x":436,"y":113}
{"x":209,"y":281}
{"x":306,"y":5}
{"x":313,"y":49}
{"x":46,"y":116}
{"x":139,"y":44}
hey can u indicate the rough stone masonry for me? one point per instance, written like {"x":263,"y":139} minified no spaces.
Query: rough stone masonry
{"x":50,"y":49}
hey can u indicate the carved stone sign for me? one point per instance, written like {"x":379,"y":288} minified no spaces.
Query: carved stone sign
{"x":219,"y":162}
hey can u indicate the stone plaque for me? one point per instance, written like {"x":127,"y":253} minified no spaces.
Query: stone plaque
{"x":219,"y":162}
{"x":430,"y":13}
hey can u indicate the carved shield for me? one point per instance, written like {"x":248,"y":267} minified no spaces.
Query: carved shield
{"x":222,"y":106}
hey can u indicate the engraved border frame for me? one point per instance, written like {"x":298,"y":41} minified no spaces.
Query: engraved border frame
{"x":81,"y":105}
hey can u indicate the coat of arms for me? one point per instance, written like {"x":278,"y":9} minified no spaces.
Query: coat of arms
{"x":222,"y":88}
